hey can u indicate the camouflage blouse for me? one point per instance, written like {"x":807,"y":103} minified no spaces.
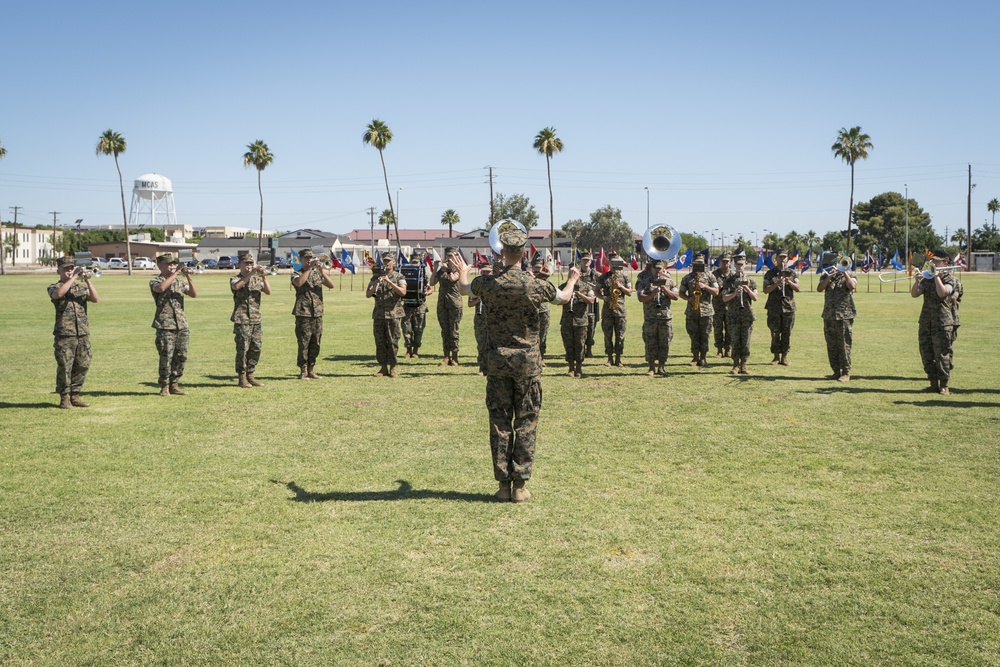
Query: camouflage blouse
{"x":309,"y":297}
{"x":246,"y":300}
{"x":169,"y":304}
{"x":838,"y":301}
{"x":783,"y":299}
{"x":388,"y":304}
{"x":71,"y":311}
{"x":705,"y":308}
{"x":448,"y":294}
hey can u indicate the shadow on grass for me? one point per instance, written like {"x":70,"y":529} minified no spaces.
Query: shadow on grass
{"x":404,"y":492}
{"x":945,"y":403}
{"x":4,"y":404}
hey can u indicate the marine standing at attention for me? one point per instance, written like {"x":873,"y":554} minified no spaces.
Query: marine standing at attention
{"x":513,"y":363}
{"x":449,"y":307}
{"x":574,"y":323}
{"x":247,"y":287}
{"x":309,"y":282}
{"x":541,"y":272}
{"x":697,"y":288}
{"x":72,"y":330}
{"x":723,"y":337}
{"x":172,"y":332}
{"x":614,"y":287}
{"x":388,"y":289}
{"x":656,"y":289}
{"x":589,"y":275}
{"x":740,"y":293}
{"x":780,"y":286}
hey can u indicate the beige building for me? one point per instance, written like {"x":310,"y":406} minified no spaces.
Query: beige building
{"x":26,"y":246}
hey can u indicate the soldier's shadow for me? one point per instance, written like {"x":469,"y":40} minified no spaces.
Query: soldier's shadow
{"x":404,"y":492}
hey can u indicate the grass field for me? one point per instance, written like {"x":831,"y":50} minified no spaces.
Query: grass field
{"x":771,"y":519}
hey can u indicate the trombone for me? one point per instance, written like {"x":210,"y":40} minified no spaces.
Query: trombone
{"x":927,"y":273}
{"x":843,"y":265}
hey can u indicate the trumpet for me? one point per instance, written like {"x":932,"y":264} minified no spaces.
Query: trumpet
{"x":324,"y":261}
{"x":930,"y":270}
{"x":263,"y":270}
{"x":843,"y":265}
{"x":88,"y":273}
{"x":84,"y":266}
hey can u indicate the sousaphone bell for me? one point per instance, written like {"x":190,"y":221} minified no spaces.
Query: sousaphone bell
{"x":662,"y":242}
{"x":495,"y":233}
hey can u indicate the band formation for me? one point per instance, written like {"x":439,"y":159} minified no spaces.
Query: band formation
{"x":511,"y":322}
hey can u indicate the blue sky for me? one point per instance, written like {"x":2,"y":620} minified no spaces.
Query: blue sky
{"x":725,"y":111}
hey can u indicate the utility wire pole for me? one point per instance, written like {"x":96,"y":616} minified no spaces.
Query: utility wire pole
{"x":492,"y":213}
{"x":968,"y":259}
{"x":371,"y":212}
{"x":14,"y":243}
{"x":55,"y":228}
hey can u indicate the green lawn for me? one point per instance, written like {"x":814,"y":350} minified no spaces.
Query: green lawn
{"x":772,"y":519}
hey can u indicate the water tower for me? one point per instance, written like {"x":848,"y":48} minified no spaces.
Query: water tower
{"x":152,"y":202}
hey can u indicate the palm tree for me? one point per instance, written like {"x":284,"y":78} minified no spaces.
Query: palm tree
{"x":387,"y":218}
{"x":992,"y":207}
{"x":850,"y":146}
{"x":112,"y":143}
{"x":379,"y":135}
{"x":548,"y":144}
{"x":258,"y":155}
{"x":450,"y":218}
{"x":3,"y":267}
{"x":811,"y":239}
{"x":959,"y":237}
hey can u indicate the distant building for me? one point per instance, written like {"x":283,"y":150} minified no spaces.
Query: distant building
{"x":30,"y":246}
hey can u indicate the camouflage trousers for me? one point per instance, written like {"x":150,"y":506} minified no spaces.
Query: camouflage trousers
{"x":308,"y":334}
{"x":249,"y":339}
{"x":839,"y":335}
{"x":386,"y":341}
{"x":781,"y":325}
{"x":413,"y":327}
{"x":698,"y":329}
{"x":449,"y":319}
{"x":741,"y":330}
{"x":935,"y":348}
{"x":172,"y":345}
{"x":513,"y":405}
{"x":591,"y":328}
{"x":614,"y":334}
{"x":543,"y":330}
{"x":479,"y":328}
{"x":657,"y":334}
{"x":723,"y":336}
{"x":72,"y":363}
{"x":574,"y":340}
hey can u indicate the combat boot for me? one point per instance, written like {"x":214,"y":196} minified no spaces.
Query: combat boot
{"x":446,"y":361}
{"x":74,"y":399}
{"x":610,"y":361}
{"x":407,"y":356}
{"x":518,"y":493}
{"x":311,"y":373}
{"x":503,"y":493}
{"x":943,"y":390}
{"x":454,"y":357}
{"x":253,"y":381}
{"x":718,"y":353}
{"x":652,"y":371}
{"x":844,"y":378}
{"x":776,"y":360}
{"x":784,"y":360}
{"x":695,"y":360}
{"x":661,"y":371}
{"x":243,"y":381}
{"x":704,"y":362}
{"x":414,"y":355}
{"x":65,"y":402}
{"x":588,"y":353}
{"x":579,"y":369}
{"x":382,"y":372}
{"x":743,"y":370}
{"x":303,"y":373}
{"x":736,"y":370}
{"x":175,"y":390}
{"x":935,"y":387}
{"x":165,"y":390}
{"x":727,"y":352}
{"x":393,"y":373}
{"x":618,"y":361}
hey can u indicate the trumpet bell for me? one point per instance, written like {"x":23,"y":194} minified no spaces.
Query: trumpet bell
{"x":495,"y":233}
{"x":95,"y":272}
{"x":662,"y":242}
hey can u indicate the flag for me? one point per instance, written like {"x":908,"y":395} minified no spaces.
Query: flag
{"x":378,"y":260}
{"x":296,"y":262}
{"x":346,"y":261}
{"x":960,"y":261}
{"x":634,"y":263}
{"x":868,"y":262}
{"x":462,"y":255}
{"x":704,"y":253}
{"x":368,"y":258}
{"x":806,"y":262}
{"x":480,"y":260}
{"x":760,"y":262}
{"x":602,"y":265}
{"x":769,"y":259}
{"x":793,"y":260}
{"x":434,"y":254}
{"x":534,"y":252}
{"x":881,"y":258}
{"x":928,"y":255}
{"x":548,"y":262}
{"x":400,"y":258}
{"x":578,"y":255}
{"x":896,"y":264}
{"x":685,"y":260}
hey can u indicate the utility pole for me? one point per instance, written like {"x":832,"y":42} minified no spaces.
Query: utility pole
{"x":14,"y":244}
{"x":371,"y":212}
{"x":968,"y":258}
{"x":55,"y":228}
{"x":492,"y":213}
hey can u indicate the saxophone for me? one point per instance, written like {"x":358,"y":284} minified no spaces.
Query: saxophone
{"x":696,"y":291}
{"x":615,"y":291}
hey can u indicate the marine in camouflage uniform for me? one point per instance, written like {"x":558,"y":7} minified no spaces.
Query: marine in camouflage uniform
{"x":937,"y":322}
{"x":699,"y":322}
{"x":541,"y":272}
{"x":172,"y":332}
{"x":838,"y":316}
{"x":71,"y":331}
{"x":614,"y":320}
{"x":247,"y":287}
{"x":780,"y":286}
{"x":956,"y":302}
{"x":723,"y":337}
{"x":574,"y":323}
{"x":740,"y":291}
{"x":309,"y":282}
{"x":589,"y":275}
{"x":388,"y":291}
{"x":415,"y":313}
{"x":449,"y":308}
{"x":479,"y":323}
{"x":513,"y":362}
{"x":657,"y":322}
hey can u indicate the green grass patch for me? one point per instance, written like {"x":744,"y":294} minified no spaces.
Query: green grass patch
{"x":772,"y":519}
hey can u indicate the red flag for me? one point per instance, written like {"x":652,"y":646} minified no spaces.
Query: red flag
{"x":960,"y":261}
{"x":602,"y":264}
{"x":635,"y":263}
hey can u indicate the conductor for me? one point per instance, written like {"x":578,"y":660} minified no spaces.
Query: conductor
{"x":513,"y":363}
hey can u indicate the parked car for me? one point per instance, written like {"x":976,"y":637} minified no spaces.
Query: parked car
{"x":209,"y":263}
{"x":282,"y":263}
{"x":229,"y":262}
{"x":143,"y":263}
{"x":99,"y":263}
{"x":117,"y":263}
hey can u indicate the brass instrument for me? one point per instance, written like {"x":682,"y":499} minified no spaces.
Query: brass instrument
{"x":662,"y":242}
{"x":741,"y":282}
{"x":843,"y":265}
{"x":83,"y":261}
{"x":696,"y":291}
{"x":263,"y":270}
{"x":495,"y":234}
{"x":614,"y":291}
{"x":930,"y":270}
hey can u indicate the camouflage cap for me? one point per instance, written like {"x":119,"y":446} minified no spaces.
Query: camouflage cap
{"x":655,"y":263}
{"x":245,"y":256}
{"x":63,"y":262}
{"x":740,"y":253}
{"x":725,"y":257}
{"x":305,"y":254}
{"x":388,"y":257}
{"x":781,"y":252}
{"x":486,"y":268}
{"x":585,"y":256}
{"x":941,"y":254}
{"x":512,"y":237}
{"x":829,"y":257}
{"x":698,"y":260}
{"x":537,"y":263}
{"x":167,"y":257}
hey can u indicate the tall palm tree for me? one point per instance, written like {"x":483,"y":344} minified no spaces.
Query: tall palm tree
{"x":3,"y":266}
{"x":450,"y":218}
{"x":259,"y":156}
{"x":112,"y":143}
{"x":379,"y":135}
{"x":548,"y":144}
{"x":992,"y":207}
{"x":851,"y":146}
{"x":387,"y":218}
{"x":959,"y":237}
{"x":811,"y":239}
